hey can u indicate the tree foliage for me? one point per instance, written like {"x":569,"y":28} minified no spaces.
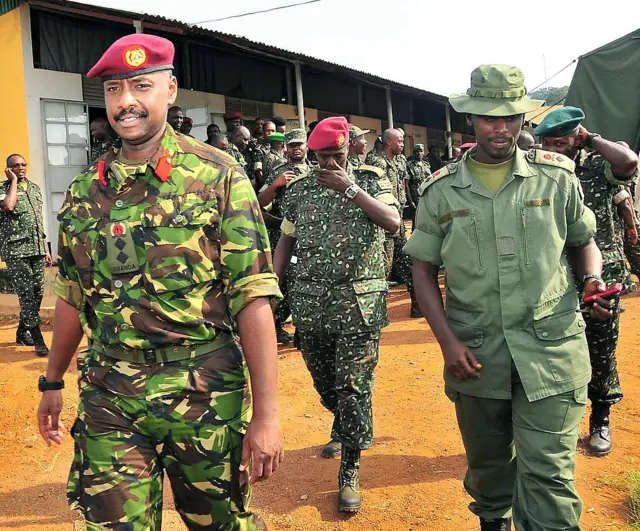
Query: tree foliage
{"x":551,"y":95}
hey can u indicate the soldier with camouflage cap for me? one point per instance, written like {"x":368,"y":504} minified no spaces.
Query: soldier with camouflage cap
{"x":603,"y":174}
{"x":24,"y":249}
{"x":271,"y":198}
{"x":334,"y":218}
{"x":418,"y":172}
{"x":164,"y":258}
{"x":514,"y":235}
{"x":357,"y":146}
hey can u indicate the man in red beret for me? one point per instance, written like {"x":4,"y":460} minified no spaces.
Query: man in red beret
{"x":232,"y":120}
{"x":164,"y":260}
{"x":335,"y":219}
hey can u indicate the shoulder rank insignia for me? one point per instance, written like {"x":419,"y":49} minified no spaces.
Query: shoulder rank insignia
{"x":539,"y":156}
{"x":367,"y":167}
{"x":449,"y":169}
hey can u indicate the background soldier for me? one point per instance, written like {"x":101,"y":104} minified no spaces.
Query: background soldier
{"x":280,"y":123}
{"x":175,"y":117}
{"x":239,"y":142}
{"x":505,"y":223}
{"x":357,"y":146}
{"x":170,"y":263}
{"x":375,"y":153}
{"x":232,"y":120}
{"x":601,"y":173}
{"x":212,"y":131}
{"x":338,"y":299}
{"x":276,"y":155}
{"x":418,"y":172}
{"x":221,"y":142}
{"x":24,"y":248}
{"x":102,"y":136}
{"x":271,"y":199}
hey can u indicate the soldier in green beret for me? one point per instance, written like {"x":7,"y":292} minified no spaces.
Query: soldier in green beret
{"x":276,"y":154}
{"x":603,"y":174}
{"x":514,"y":236}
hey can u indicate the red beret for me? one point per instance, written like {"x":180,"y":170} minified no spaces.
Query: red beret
{"x":134,"y":55}
{"x":330,"y":133}
{"x":232,"y":116}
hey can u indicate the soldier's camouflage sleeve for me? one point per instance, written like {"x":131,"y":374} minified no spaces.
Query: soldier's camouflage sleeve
{"x":289,"y":216}
{"x":425,"y":243}
{"x":245,"y":255}
{"x":581,"y":221}
{"x":380,"y":188}
{"x":67,"y":285}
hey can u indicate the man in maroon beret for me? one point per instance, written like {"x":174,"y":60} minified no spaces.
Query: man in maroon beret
{"x":335,"y":218}
{"x":232,"y":120}
{"x":164,"y":261}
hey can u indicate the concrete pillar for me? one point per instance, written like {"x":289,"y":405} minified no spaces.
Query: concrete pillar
{"x":389,"y":107}
{"x":300,"y":96}
{"x":138,"y":25}
{"x":447,"y":111}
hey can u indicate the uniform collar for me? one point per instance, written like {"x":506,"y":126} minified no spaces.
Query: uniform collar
{"x":463,"y":178}
{"x":161,"y":162}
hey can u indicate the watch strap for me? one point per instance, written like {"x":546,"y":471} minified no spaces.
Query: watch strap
{"x":589,"y":276}
{"x":44,"y":385}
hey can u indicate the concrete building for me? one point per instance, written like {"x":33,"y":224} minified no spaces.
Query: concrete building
{"x":47,"y":102}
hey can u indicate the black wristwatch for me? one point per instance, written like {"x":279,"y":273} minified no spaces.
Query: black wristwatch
{"x":589,"y":277}
{"x":589,"y":142}
{"x":43,"y":385}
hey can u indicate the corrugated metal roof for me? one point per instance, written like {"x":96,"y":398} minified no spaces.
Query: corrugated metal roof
{"x":243,"y":43}
{"x":8,"y":5}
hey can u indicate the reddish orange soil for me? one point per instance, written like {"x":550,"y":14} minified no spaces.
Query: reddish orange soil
{"x":411,"y":477}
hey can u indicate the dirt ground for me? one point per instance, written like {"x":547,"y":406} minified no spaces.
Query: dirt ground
{"x":411,"y":477}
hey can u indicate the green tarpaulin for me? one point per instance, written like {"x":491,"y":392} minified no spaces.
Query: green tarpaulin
{"x":606,"y":85}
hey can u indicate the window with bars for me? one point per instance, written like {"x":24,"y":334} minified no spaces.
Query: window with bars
{"x":66,"y":133}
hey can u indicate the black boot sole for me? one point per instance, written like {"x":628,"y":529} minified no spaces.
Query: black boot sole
{"x":42,"y":354}
{"x":25,"y":344}
{"x":598,"y":454}
{"x":349,"y":509}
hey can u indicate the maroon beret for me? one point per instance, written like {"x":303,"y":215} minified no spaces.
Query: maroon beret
{"x":330,"y":133}
{"x":134,"y":55}
{"x":232,"y":116}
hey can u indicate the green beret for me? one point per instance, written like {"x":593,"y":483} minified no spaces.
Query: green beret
{"x":560,"y":122}
{"x":276,"y":137}
{"x":418,"y":147}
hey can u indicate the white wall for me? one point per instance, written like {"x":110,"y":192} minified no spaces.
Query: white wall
{"x":43,"y":84}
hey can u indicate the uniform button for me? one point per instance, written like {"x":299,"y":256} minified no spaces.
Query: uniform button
{"x":118,"y":283}
{"x":545,"y":334}
{"x":119,"y":203}
{"x":179,"y":218}
{"x":124,"y":327}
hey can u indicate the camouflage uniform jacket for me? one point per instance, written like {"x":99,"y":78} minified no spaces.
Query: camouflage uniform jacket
{"x":394,"y":170}
{"x":340,"y":285}
{"x":371,"y":158}
{"x":276,"y":208}
{"x":253,"y":157}
{"x":22,"y":231}
{"x":168,"y":251}
{"x":599,"y":185}
{"x":354,"y":162}
{"x":418,"y":171}
{"x":237,"y":154}
{"x":98,"y":149}
{"x":271,"y":160}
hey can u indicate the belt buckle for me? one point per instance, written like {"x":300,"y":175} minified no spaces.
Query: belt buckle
{"x":149,"y":356}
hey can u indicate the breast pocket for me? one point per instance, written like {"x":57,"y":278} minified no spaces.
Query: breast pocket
{"x":463,"y":245}
{"x":306,"y":304}
{"x":372,"y":301}
{"x":181,"y":243}
{"x":538,"y":225}
{"x":82,"y":253}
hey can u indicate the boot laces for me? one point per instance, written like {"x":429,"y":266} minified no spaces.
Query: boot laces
{"x":349,"y":478}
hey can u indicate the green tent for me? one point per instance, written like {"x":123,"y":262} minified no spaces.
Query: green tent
{"x":606,"y":85}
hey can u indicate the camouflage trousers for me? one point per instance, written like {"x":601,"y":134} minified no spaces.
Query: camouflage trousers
{"x":26,"y":275}
{"x":388,"y":248}
{"x":283,"y":310}
{"x":342,"y":369}
{"x":401,"y":266}
{"x":137,"y":421}
{"x":632,"y":252}
{"x":619,"y":272}
{"x":602,"y":337}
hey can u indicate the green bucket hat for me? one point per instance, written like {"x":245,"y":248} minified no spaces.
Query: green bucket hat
{"x":496,"y":90}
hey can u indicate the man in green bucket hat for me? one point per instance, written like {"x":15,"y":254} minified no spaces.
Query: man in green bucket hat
{"x":514,"y":236}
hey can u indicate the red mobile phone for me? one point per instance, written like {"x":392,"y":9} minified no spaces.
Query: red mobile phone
{"x":612,"y":290}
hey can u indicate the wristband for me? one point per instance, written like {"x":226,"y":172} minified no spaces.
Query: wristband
{"x":43,"y":385}
{"x":589,"y":277}
{"x":590,"y":137}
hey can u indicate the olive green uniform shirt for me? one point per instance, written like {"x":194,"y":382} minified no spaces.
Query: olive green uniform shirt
{"x":510,"y":292}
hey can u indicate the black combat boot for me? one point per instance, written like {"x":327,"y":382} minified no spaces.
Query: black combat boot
{"x":332,"y":449}
{"x":41,"y":347}
{"x":416,"y":312}
{"x":599,"y":431}
{"x":501,"y":524}
{"x":283,"y":337}
{"x":349,"y":495}
{"x":296,"y":339}
{"x":23,"y":337}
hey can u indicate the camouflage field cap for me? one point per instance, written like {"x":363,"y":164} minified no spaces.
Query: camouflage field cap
{"x":496,"y":90}
{"x":295,"y":136}
{"x":355,"y":132}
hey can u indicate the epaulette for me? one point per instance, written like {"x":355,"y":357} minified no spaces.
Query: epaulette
{"x":283,"y":163}
{"x":449,"y":169}
{"x":366,"y":167}
{"x":298,"y":178}
{"x":539,"y":156}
